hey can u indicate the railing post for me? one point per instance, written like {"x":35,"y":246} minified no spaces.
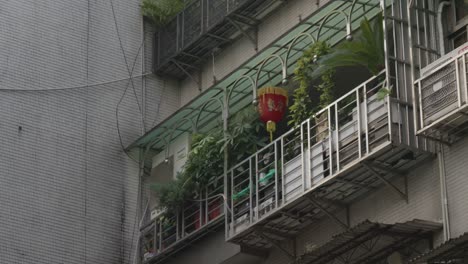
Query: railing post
{"x":232,"y":203}
{"x":201,"y":221}
{"x":282,"y":168}
{"x":366,"y":122}
{"x":358,"y":103}
{"x":256,"y":187}
{"x":250,"y":192}
{"x":183,"y":224}
{"x":309,"y":154}
{"x":207,"y":203}
{"x":276,"y":173}
{"x":465,"y":74}
{"x":155,"y":236}
{"x":337,"y":143}
{"x":457,"y":80}
{"x":330,"y":142}
{"x":420,"y":106}
{"x":160,"y":235}
{"x":177,"y":223}
{"x":302,"y":156}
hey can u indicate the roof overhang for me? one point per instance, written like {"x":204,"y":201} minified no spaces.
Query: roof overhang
{"x":206,"y":107}
{"x":452,"y":251}
{"x":370,"y":242}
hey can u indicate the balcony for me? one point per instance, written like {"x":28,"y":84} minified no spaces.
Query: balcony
{"x":443,"y":99}
{"x":203,"y":26}
{"x":355,"y":145}
{"x":168,"y":234}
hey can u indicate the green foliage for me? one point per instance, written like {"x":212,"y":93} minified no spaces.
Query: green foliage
{"x":161,"y":11}
{"x":383,"y":92}
{"x":205,"y":161}
{"x":366,"y":50}
{"x":173,"y":195}
{"x":302,"y":107}
{"x":243,"y":135}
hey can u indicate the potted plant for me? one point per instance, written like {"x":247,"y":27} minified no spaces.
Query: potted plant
{"x":160,"y":12}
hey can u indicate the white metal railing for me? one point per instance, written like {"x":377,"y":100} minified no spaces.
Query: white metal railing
{"x":166,"y":231}
{"x":337,"y":137}
{"x":443,"y":93}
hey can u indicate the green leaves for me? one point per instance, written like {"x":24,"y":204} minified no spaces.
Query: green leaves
{"x":302,"y":107}
{"x":161,"y":11}
{"x":205,"y":160}
{"x":366,"y":50}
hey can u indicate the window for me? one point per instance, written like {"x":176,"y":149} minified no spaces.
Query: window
{"x":461,"y":9}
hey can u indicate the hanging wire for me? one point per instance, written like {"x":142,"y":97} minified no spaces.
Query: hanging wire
{"x":126,"y":63}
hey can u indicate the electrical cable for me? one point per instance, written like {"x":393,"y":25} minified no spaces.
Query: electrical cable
{"x":159,"y":103}
{"x":126,"y":64}
{"x":73,"y":87}
{"x":118,"y":105}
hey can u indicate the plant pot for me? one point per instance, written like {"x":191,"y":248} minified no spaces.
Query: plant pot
{"x":214,"y":209}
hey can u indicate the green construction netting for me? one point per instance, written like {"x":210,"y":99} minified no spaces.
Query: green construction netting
{"x":334,"y":31}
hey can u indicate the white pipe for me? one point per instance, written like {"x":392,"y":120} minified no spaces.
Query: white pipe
{"x":443,"y":192}
{"x":440,"y":26}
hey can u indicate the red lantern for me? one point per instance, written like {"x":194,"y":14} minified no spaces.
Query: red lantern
{"x":272,"y":104}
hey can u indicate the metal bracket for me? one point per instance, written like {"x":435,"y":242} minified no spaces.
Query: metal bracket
{"x":402,"y":194}
{"x":253,"y":37}
{"x":197,"y":81}
{"x":275,"y":244}
{"x":328,"y":213}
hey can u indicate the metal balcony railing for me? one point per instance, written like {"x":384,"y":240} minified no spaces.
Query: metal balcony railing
{"x":443,"y":99}
{"x":175,"y":230}
{"x":203,"y":25}
{"x":338,"y":155}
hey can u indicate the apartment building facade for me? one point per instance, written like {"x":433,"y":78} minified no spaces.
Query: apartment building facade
{"x":383,"y":186}
{"x":98,"y":104}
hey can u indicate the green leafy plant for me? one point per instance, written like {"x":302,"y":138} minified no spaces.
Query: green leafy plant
{"x":366,"y":50}
{"x":161,"y":11}
{"x":302,"y":107}
{"x":205,"y":160}
{"x":244,"y":134}
{"x":383,"y":92}
{"x":173,"y":195}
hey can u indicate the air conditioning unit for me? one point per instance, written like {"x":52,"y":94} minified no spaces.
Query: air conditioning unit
{"x":171,"y":161}
{"x":156,"y":213}
{"x":438,"y":86}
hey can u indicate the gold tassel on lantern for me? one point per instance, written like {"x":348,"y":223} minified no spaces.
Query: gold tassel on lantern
{"x":271,"y":128}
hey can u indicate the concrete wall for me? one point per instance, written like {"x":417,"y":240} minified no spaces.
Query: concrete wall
{"x":68,"y":192}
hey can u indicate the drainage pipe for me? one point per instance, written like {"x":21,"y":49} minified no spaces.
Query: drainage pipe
{"x":443,"y":192}
{"x":440,"y":26}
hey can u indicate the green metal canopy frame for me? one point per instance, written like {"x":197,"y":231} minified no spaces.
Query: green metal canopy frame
{"x":331,"y":22}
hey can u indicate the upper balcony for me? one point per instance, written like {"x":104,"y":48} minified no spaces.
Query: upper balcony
{"x":353,"y":146}
{"x":182,"y":44}
{"x":443,"y":97}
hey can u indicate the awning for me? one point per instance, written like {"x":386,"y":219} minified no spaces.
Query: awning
{"x":452,"y":251}
{"x":207,"y":105}
{"x":370,"y":242}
